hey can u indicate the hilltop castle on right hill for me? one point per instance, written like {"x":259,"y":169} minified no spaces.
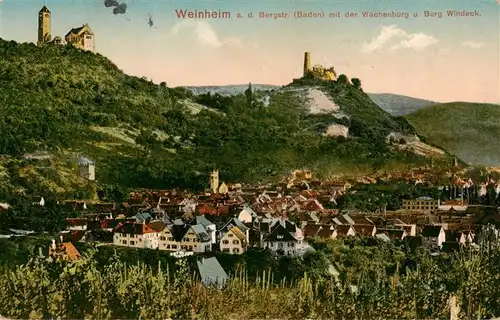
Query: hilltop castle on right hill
{"x":318,"y":71}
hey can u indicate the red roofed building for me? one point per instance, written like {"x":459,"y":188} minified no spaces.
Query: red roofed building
{"x":76,"y":223}
{"x":65,"y":251}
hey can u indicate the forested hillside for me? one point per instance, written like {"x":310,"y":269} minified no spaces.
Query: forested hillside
{"x":469,"y":130}
{"x":73,"y":103}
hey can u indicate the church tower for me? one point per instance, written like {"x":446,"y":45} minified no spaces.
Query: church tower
{"x":307,"y":63}
{"x":43,"y":26}
{"x":214,"y":181}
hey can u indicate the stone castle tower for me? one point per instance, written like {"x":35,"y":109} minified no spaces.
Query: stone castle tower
{"x":307,"y":63}
{"x":43,"y":26}
{"x":214,"y":181}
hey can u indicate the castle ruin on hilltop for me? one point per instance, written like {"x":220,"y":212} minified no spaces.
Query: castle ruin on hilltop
{"x":81,"y":37}
{"x":318,"y":71}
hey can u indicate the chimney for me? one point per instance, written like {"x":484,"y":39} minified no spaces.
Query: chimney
{"x":61,"y":238}
{"x":53,"y":244}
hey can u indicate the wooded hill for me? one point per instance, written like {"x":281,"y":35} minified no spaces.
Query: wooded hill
{"x":469,"y":130}
{"x":74,"y":103}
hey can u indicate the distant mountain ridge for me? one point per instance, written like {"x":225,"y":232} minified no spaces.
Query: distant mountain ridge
{"x":394,"y":104}
{"x":399,"y":105}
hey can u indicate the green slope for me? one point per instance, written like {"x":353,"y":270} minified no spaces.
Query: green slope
{"x":470,"y":130}
{"x":140,"y":134}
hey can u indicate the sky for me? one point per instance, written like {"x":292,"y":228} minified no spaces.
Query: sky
{"x":440,"y":59}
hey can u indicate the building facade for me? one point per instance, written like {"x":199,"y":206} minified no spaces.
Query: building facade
{"x":233,"y":241}
{"x":81,"y":37}
{"x":421,"y":204}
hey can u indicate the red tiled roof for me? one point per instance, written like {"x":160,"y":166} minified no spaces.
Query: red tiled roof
{"x":70,"y":250}
{"x":76,"y":221}
{"x":223,"y":210}
{"x":73,"y":236}
{"x":207,"y":210}
{"x":133,"y":228}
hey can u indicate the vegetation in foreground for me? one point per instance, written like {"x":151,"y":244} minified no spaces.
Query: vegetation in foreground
{"x":469,"y":130}
{"x":375,"y":281}
{"x":74,"y":103}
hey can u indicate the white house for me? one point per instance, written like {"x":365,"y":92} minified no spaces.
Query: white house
{"x":433,"y":236}
{"x":234,"y":241}
{"x":246,"y":215}
{"x":283,"y":238}
{"x":209,"y":226}
{"x":135,"y":235}
{"x":40,"y":201}
{"x":194,"y":238}
{"x":235,"y":222}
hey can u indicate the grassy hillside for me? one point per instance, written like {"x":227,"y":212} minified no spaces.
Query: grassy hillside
{"x":394,"y":104}
{"x":73,"y":103}
{"x":470,"y":130}
{"x":229,"y":90}
{"x":398,"y":105}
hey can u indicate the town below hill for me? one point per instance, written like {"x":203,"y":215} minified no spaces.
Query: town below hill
{"x":276,"y":217}
{"x":302,"y":231}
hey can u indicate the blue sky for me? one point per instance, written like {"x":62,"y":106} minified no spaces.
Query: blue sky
{"x":445,"y":59}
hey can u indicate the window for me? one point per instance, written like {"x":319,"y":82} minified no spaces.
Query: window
{"x":225,"y":242}
{"x":291,"y":244}
{"x":236,"y":242}
{"x":88,"y":37}
{"x":280,"y":236}
{"x":230,"y":235}
{"x":280,"y":245}
{"x":124,"y":241}
{"x":162,"y":238}
{"x":132,"y":243}
{"x":174,"y":246}
{"x":236,"y":250}
{"x":168,"y":246}
{"x":170,"y":239}
{"x":132,"y":236}
{"x":190,"y":248}
{"x":225,"y":250}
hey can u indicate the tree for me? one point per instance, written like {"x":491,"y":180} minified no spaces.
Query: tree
{"x":343,"y":79}
{"x":249,"y":94}
{"x":356,"y":83}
